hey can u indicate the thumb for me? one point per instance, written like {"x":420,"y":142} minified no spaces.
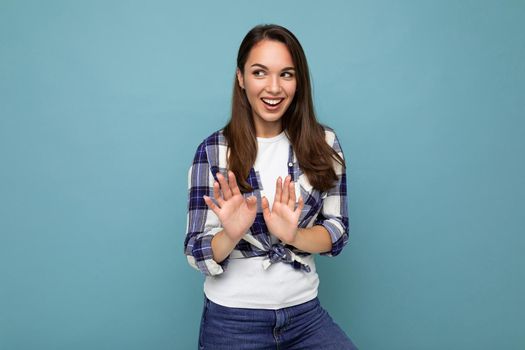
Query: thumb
{"x":300,"y":205}
{"x":266,"y":208}
{"x":211,"y":205}
{"x":251,"y":202}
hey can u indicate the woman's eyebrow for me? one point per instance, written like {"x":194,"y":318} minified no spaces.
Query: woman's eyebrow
{"x":264,"y":67}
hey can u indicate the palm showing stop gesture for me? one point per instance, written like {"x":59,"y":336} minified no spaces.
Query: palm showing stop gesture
{"x":234,"y":211}
{"x":282,"y":221}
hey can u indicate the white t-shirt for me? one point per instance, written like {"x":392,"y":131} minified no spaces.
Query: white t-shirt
{"x":244,"y":283}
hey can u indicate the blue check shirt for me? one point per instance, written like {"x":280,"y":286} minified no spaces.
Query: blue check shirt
{"x":329,"y":209}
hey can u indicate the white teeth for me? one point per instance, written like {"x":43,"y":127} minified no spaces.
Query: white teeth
{"x":272,"y":102}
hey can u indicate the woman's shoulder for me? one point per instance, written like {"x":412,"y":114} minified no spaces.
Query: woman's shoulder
{"x":214,"y":146}
{"x":215,"y":139}
{"x":331,"y":137}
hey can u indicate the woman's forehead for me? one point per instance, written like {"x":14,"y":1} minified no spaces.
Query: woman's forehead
{"x":271,"y":54}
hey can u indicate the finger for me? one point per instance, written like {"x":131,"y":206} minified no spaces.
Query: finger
{"x":226,"y":191}
{"x":300,"y":206}
{"x":266,"y":208}
{"x":233,"y":183}
{"x":217,"y":194}
{"x":291,"y":201}
{"x":286,"y":190}
{"x":278,"y":190}
{"x":211,"y":205}
{"x":251,"y":202}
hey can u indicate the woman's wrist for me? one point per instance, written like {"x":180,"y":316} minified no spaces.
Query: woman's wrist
{"x":222,"y":245}
{"x":315,"y":239}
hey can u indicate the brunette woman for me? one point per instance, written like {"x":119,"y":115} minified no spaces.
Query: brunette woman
{"x":266,"y":193}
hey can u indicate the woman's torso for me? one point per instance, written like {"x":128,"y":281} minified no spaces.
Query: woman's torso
{"x":245,"y":283}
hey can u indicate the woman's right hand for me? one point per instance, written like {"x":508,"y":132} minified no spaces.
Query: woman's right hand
{"x":236,"y":213}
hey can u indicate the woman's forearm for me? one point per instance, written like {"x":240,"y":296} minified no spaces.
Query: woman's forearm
{"x":222,"y":246}
{"x":315,"y":239}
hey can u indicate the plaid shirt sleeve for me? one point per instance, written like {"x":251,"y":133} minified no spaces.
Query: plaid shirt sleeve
{"x":202,"y":223}
{"x":334,"y":212}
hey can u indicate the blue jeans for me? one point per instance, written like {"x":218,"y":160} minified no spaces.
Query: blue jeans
{"x":303,"y":326}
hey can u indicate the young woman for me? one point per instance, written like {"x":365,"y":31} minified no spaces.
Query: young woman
{"x":266,"y":192}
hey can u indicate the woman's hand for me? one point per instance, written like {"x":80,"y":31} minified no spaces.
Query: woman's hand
{"x":282,"y":221}
{"x":234,"y":211}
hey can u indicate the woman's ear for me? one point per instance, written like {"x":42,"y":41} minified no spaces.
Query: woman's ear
{"x":240,"y":78}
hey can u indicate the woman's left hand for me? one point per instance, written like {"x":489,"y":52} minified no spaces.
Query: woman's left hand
{"x":282,"y":221}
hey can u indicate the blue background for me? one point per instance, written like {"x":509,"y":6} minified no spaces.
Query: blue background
{"x":103,"y":104}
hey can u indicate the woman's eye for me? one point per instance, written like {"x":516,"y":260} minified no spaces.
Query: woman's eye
{"x":261,"y":73}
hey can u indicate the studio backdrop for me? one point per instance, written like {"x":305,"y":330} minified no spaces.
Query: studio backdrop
{"x":102,"y":106}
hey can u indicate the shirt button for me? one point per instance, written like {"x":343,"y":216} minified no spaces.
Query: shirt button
{"x":290,"y":164}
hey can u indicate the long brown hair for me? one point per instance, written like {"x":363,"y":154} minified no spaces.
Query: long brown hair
{"x":306,"y":135}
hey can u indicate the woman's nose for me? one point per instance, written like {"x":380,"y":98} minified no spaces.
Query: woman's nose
{"x":274,"y":85}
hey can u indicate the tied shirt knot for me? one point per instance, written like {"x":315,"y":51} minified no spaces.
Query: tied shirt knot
{"x":278,"y":252}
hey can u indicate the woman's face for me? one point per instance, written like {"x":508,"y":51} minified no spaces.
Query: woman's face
{"x":269,"y":81}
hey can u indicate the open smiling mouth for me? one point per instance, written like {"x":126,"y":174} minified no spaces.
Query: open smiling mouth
{"x":272,"y":102}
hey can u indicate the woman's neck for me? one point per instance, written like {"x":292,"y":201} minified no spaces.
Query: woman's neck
{"x":268,"y":129}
